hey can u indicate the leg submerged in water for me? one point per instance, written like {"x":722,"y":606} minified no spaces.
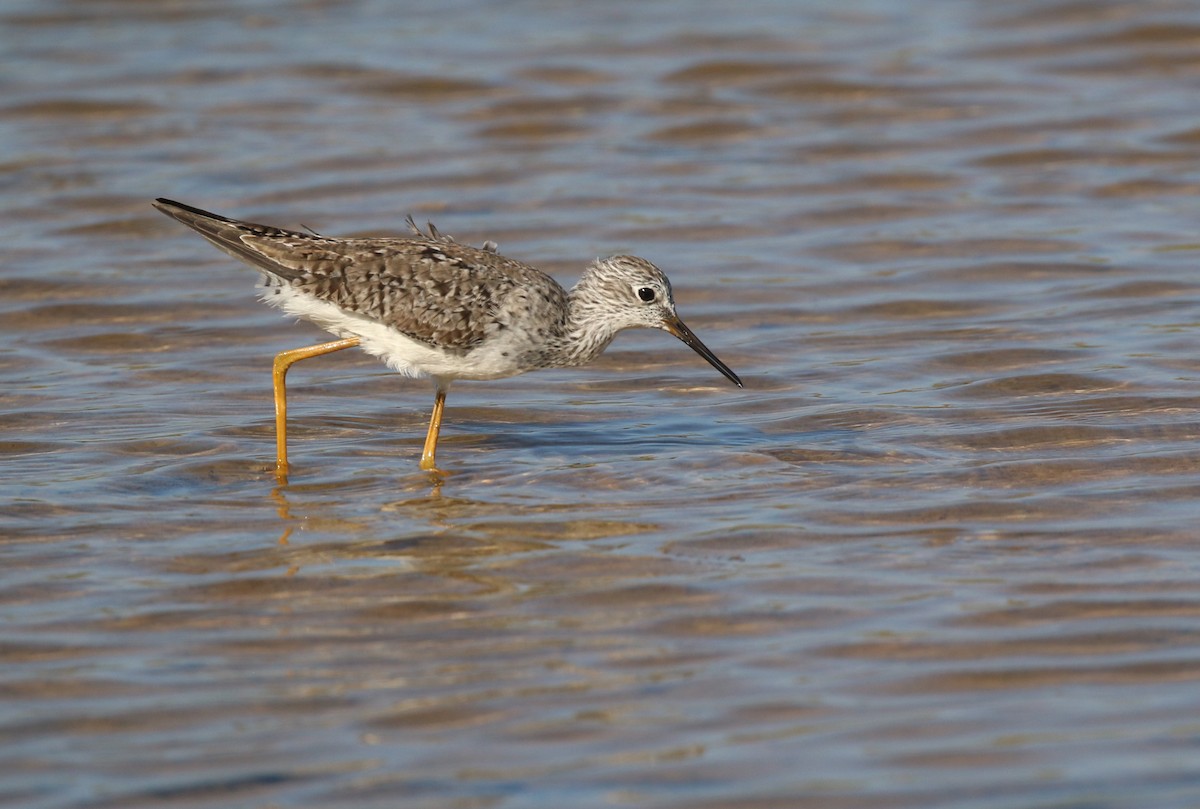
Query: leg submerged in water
{"x":428,"y":462}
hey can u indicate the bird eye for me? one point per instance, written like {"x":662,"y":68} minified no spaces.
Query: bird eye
{"x":646,"y":294}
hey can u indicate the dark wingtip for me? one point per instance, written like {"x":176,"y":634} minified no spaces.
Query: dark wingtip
{"x":172,"y":207}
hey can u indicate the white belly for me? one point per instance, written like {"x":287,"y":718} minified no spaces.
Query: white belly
{"x":402,"y":354}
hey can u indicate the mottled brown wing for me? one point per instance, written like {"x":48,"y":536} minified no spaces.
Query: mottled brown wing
{"x":442,"y":294}
{"x":429,"y":288}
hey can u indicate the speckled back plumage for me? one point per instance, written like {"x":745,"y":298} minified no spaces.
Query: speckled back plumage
{"x":428,"y":287}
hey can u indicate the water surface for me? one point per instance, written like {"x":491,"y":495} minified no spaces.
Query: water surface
{"x":941,"y":551}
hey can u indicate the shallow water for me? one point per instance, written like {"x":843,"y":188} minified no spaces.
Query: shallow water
{"x":942,"y":551}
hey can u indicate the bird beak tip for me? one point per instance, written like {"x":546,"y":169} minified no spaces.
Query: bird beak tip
{"x":675,"y":326}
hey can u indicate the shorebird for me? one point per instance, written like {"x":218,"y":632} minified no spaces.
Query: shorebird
{"x":429,"y":306}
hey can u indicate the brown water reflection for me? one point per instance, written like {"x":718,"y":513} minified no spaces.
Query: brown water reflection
{"x":941,"y":552}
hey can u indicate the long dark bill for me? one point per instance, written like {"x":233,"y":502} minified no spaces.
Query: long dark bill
{"x":677,"y":328}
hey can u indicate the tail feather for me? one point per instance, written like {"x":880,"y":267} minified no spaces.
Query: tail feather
{"x":228,"y":234}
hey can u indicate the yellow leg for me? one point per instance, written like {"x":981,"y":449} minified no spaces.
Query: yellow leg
{"x":435,"y":427}
{"x":283,"y":361}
